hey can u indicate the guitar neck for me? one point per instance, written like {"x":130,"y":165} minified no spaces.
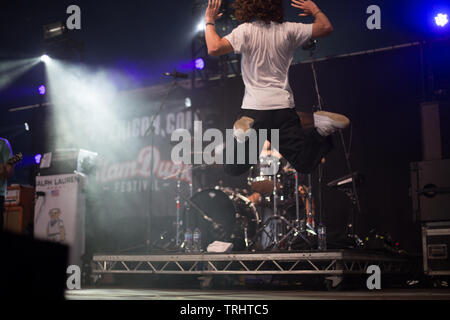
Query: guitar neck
{"x":15,"y":159}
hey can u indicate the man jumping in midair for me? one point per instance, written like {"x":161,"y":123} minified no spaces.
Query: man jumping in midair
{"x":267,"y":45}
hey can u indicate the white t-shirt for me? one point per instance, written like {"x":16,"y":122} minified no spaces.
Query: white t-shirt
{"x":267,"y":53}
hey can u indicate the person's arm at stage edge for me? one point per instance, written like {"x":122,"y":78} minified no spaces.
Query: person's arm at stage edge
{"x":322,"y":26}
{"x":6,"y":170}
{"x":9,"y":167}
{"x":216,"y":46}
{"x":9,"y":171}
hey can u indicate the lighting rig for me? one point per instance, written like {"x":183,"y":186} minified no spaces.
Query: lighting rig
{"x":58,"y":43}
{"x":213,"y":68}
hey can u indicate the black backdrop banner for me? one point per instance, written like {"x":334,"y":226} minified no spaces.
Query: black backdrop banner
{"x":126,"y":202}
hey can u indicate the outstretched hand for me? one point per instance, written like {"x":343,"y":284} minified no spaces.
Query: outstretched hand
{"x":212,"y":12}
{"x":308,"y":7}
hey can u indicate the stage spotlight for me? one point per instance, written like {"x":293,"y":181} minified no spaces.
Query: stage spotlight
{"x":441,"y":19}
{"x":27,"y":126}
{"x":201,"y":27}
{"x":37,"y":158}
{"x":42,"y":90}
{"x":188,"y":102}
{"x":45,"y":58}
{"x":199,"y":64}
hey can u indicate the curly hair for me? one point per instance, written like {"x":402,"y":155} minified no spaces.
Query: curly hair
{"x":264,"y":10}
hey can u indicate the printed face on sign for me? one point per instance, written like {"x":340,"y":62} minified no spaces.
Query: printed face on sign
{"x":54,"y":214}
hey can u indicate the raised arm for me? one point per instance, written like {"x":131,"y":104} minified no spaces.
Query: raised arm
{"x":216,"y":46}
{"x":322,"y":26}
{"x":6,"y":169}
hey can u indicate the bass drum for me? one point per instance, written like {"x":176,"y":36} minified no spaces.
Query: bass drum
{"x":231,"y":217}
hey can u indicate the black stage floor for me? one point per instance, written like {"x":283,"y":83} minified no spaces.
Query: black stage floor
{"x":172,"y":294}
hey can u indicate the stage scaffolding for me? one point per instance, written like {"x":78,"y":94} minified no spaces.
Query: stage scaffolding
{"x":339,"y":262}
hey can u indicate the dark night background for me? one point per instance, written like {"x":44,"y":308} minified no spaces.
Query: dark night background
{"x":380,"y":92}
{"x":146,"y":38}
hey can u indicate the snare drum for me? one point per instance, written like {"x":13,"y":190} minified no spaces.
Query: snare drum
{"x":261,"y":176}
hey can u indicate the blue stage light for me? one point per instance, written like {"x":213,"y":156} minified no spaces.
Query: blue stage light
{"x":42,"y":89}
{"x":441,"y":19}
{"x":199,"y":64}
{"x":37,"y":158}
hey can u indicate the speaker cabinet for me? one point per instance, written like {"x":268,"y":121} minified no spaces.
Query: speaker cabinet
{"x":13,"y":220}
{"x":19,"y":209}
{"x":435,"y":130}
{"x":430,"y":186}
{"x":19,"y":195}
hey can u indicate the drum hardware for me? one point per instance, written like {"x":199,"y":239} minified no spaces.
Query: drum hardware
{"x":299,"y":227}
{"x":260,"y":180}
{"x":278,"y":238}
{"x":225,"y":215}
{"x":178,"y":221}
{"x":351,"y":233}
{"x":165,"y":243}
{"x":310,"y":222}
{"x":219,"y":228}
{"x":247,"y":202}
{"x":229,"y":215}
{"x":277,"y":190}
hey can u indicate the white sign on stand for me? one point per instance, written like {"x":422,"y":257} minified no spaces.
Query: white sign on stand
{"x":59,"y":212}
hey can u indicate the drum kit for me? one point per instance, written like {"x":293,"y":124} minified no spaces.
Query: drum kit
{"x":274,"y":213}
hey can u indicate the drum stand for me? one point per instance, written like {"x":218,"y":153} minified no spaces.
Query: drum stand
{"x":351,"y":227}
{"x":301,"y":225}
{"x":178,"y":219}
{"x":277,"y":238}
{"x":310,"y":227}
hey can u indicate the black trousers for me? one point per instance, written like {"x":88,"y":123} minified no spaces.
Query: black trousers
{"x":2,"y":211}
{"x":303,"y":148}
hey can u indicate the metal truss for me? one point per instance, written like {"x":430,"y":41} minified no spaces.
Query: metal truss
{"x":304,"y":263}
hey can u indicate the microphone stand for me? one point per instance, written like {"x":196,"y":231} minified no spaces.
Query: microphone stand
{"x":353,"y":195}
{"x":151,"y":130}
{"x":311,"y":47}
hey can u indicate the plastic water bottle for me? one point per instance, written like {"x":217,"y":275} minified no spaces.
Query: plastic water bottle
{"x":197,"y":240}
{"x":322,"y":237}
{"x":188,"y":240}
